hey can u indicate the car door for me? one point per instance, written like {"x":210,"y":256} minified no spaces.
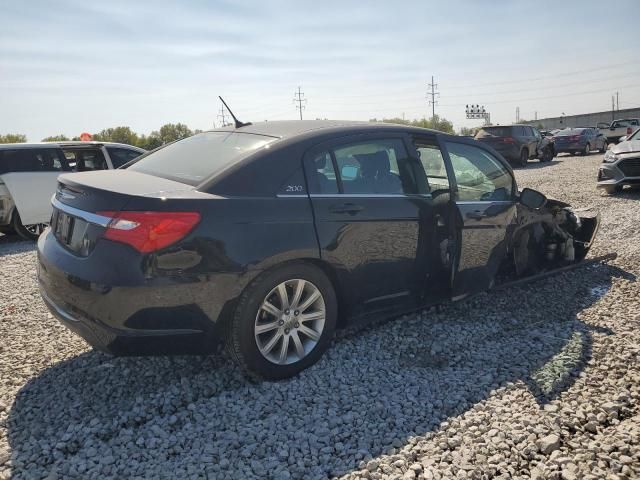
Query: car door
{"x":485,"y":197}
{"x":374,"y":220}
{"x":31,"y":178}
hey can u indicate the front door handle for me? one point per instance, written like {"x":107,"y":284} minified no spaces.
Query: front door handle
{"x":350,"y":208}
{"x":476,"y":215}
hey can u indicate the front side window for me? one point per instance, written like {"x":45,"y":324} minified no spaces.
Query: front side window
{"x":32,"y":160}
{"x":433,"y":164}
{"x":479,"y":175}
{"x":375,"y":167}
{"x":201,"y":156}
{"x":120,"y":156}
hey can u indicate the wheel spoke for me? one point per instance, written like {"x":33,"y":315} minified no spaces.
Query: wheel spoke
{"x":298,"y":344}
{"x":271,"y":308}
{"x":309,"y":332}
{"x":284,"y":348}
{"x":307,"y":317}
{"x":266,"y":327}
{"x":284,"y":297}
{"x":309,"y":300}
{"x":271,"y":343}
{"x":298,"y":293}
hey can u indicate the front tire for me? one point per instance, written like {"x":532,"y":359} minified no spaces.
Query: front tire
{"x":28,"y":232}
{"x":587,"y":150}
{"x":547,"y":155}
{"x":283,"y":323}
{"x":604,"y":147}
{"x":611,"y":189}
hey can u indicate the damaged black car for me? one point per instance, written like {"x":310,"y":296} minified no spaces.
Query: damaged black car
{"x":268,"y":237}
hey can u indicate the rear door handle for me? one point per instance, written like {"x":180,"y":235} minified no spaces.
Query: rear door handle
{"x":350,"y":208}
{"x":477,"y":215}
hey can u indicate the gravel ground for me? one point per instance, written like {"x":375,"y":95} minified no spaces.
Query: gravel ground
{"x":540,"y":381}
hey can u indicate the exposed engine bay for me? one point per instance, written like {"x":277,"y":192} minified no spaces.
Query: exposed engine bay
{"x":552,"y":236}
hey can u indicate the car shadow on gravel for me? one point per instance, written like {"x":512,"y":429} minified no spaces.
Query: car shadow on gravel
{"x":374,"y":390}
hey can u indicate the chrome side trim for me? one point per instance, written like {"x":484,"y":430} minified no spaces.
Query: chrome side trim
{"x":370,"y":195}
{"x":76,"y":212}
{"x":387,"y":297}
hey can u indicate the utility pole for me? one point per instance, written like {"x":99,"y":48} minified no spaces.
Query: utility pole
{"x":617,"y":100}
{"x":613,"y":108}
{"x":535,"y":115}
{"x":300,"y":100}
{"x":222,"y":116}
{"x":432,"y":94}
{"x":517,"y":114}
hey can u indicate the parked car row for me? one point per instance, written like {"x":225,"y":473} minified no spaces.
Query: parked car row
{"x":29,"y":173}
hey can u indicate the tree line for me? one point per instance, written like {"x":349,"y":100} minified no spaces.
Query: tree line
{"x":177,"y":131}
{"x":166,"y":134}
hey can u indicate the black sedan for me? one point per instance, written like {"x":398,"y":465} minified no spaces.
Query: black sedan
{"x":270,"y":236}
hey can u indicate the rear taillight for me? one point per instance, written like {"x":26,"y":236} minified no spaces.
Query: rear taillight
{"x":508,"y":140}
{"x":628,"y":130}
{"x":149,"y":231}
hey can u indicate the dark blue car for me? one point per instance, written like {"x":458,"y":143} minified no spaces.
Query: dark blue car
{"x":579,"y":140}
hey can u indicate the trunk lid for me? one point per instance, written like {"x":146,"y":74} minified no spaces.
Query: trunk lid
{"x":76,"y":221}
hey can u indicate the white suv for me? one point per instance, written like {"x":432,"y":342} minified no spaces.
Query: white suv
{"x":29,"y":173}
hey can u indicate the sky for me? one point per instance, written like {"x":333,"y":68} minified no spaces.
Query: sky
{"x":72,"y":66}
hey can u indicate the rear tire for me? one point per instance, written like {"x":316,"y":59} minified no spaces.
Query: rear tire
{"x":28,"y":232}
{"x":272,"y":303}
{"x":604,"y":147}
{"x":524,"y":158}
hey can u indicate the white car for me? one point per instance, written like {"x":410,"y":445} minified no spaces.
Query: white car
{"x":29,"y":174}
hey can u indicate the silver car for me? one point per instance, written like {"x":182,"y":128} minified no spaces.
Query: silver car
{"x":621,"y":165}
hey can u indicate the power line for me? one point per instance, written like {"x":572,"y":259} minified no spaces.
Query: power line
{"x":222,"y":116}
{"x":298,"y":97}
{"x":432,"y":94}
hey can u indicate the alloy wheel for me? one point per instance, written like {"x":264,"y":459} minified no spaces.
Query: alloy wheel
{"x":290,"y":321}
{"x":36,"y":229}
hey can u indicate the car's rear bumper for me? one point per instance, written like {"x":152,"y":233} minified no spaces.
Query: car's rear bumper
{"x":569,"y":147}
{"x":118,"y":310}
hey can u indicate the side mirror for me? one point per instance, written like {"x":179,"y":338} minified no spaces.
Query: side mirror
{"x":349,"y":172}
{"x":532,"y":198}
{"x":622,"y":138}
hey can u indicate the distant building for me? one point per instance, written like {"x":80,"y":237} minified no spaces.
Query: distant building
{"x":585,"y":119}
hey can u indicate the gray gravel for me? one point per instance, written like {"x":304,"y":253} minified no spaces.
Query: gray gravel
{"x":540,"y":381}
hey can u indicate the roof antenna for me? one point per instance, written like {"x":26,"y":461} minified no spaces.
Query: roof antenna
{"x":237,"y":122}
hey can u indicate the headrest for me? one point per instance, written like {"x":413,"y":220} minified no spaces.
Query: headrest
{"x":374,"y":162}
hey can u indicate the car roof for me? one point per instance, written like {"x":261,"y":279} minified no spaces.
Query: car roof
{"x":67,"y":144}
{"x":309,"y":128}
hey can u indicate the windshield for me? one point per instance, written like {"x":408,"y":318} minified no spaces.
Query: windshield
{"x":494,"y":132}
{"x":196,"y":158}
{"x":635,"y":135}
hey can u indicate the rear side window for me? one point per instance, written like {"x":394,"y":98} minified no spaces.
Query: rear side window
{"x":488,"y":132}
{"x":375,"y":167}
{"x":197,"y":158}
{"x":32,"y":160}
{"x":120,"y":156}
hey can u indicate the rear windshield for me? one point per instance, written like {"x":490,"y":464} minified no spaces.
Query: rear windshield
{"x":196,"y":158}
{"x":32,"y":160}
{"x":570,"y":131}
{"x":488,"y":132}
